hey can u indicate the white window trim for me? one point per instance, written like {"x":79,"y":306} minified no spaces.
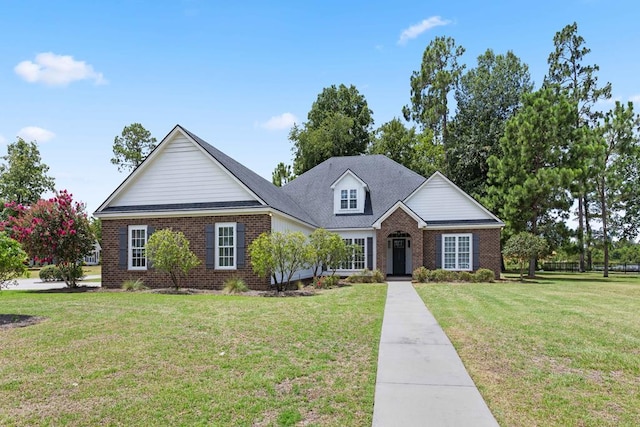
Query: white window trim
{"x":220,"y":225}
{"x":352,"y":261}
{"x":457,"y":237}
{"x":348,"y":200}
{"x":130,"y":247}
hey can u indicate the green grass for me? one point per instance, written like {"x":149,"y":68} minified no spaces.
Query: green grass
{"x":115,"y":358}
{"x":560,"y":350}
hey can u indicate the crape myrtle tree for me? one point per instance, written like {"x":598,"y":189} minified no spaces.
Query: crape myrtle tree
{"x":23,"y":177}
{"x":569,"y":73}
{"x":169,"y":252}
{"x":338,"y":124}
{"x":132,"y":147}
{"x":325,"y":250}
{"x":279,"y":255}
{"x":528,"y":182}
{"x":12,"y":260}
{"x":487,"y":96}
{"x":523,"y":246}
{"x":55,"y":230}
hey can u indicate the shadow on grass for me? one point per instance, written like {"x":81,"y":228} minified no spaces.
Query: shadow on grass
{"x":18,"y":320}
{"x":76,"y":290}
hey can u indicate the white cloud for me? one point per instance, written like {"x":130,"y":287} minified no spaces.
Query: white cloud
{"x":283,"y":121}
{"x":635,"y":99}
{"x":57,"y":70}
{"x":34,"y":133}
{"x":415,"y":30}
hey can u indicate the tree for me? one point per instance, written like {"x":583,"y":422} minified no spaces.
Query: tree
{"x":96,"y":228}
{"x":12,"y":260}
{"x":522,"y":247}
{"x":529,"y":182}
{"x":338,"y":124}
{"x":282,"y":174}
{"x":488,"y":95}
{"x":568,"y":73}
{"x":411,"y":149}
{"x":54,"y":230}
{"x":279,"y":255}
{"x":132,"y":147}
{"x":24,"y":177}
{"x":325,"y":250}
{"x":617,"y":163}
{"x":438,"y":76}
{"x":169,"y":252}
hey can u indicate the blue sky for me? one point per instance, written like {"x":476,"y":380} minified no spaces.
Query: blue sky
{"x":74,"y":73}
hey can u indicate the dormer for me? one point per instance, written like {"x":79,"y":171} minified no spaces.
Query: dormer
{"x":349,"y":194}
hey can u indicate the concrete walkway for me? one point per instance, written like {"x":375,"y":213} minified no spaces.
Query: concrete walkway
{"x":421,"y":380}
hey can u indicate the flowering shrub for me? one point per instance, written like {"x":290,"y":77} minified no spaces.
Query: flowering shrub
{"x":54,"y":230}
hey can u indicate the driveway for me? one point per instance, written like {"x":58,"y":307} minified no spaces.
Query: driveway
{"x":35,"y":284}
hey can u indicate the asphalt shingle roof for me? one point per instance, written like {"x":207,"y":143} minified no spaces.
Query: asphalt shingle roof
{"x":387,"y":180}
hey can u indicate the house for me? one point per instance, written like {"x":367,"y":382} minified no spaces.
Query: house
{"x":93,"y":258}
{"x":400,"y":219}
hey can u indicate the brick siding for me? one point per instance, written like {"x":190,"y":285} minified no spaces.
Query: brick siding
{"x":489,"y":247}
{"x":194,"y":229}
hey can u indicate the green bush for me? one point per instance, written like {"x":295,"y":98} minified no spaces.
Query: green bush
{"x":71,"y":273}
{"x":441,"y":275}
{"x":466,"y":276}
{"x":377,"y":276}
{"x":133,"y":285}
{"x":327,"y":282}
{"x":421,"y":274}
{"x":50,"y":273}
{"x":235,"y":285}
{"x":363,"y":277}
{"x":485,"y":275}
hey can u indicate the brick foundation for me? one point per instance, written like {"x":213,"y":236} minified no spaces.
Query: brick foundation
{"x":194,"y":229}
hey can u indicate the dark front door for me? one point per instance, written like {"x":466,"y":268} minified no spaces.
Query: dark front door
{"x":399,"y":257}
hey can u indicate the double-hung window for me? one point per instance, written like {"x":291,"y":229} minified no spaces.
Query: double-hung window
{"x":456,"y":253}
{"x":225,"y":246}
{"x":137,"y":254}
{"x":357,"y":261}
{"x":349,"y":199}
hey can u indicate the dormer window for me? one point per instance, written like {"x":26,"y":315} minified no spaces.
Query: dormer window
{"x":349,"y":199}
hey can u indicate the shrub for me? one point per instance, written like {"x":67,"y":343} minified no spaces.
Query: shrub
{"x":71,"y":273}
{"x":421,"y":274}
{"x":377,"y":276}
{"x":133,"y":285}
{"x":12,"y":260}
{"x":169,"y":252}
{"x":366,"y":276}
{"x":441,"y":275}
{"x":235,"y":285}
{"x":50,"y":273}
{"x":485,"y":275}
{"x":465,"y":276}
{"x":326,"y":282}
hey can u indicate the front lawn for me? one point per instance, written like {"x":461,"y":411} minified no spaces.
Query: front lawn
{"x":116,"y":358}
{"x":560,"y":350}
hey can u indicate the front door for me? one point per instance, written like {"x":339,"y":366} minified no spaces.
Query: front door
{"x":399,"y":257}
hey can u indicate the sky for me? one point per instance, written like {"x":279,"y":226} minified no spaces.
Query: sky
{"x":73,"y":74}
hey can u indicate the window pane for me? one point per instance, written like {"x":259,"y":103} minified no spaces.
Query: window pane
{"x":137,"y":240}
{"x":463,"y":252}
{"x":358,"y":257}
{"x":226,"y":246}
{"x":449,"y":252}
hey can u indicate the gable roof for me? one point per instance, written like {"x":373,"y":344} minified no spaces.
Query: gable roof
{"x":264,"y":191}
{"x":387,"y":180}
{"x":349,"y":173}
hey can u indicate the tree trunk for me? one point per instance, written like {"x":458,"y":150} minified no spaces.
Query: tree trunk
{"x":605,"y":238}
{"x":581,"y":232}
{"x":589,"y":234}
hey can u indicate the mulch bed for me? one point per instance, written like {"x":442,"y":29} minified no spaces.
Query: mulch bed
{"x":18,"y":320}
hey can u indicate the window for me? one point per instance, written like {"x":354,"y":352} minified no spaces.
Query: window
{"x":137,"y":253}
{"x":357,"y":261}
{"x":349,"y":199}
{"x":226,"y":246}
{"x":456,"y":251}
